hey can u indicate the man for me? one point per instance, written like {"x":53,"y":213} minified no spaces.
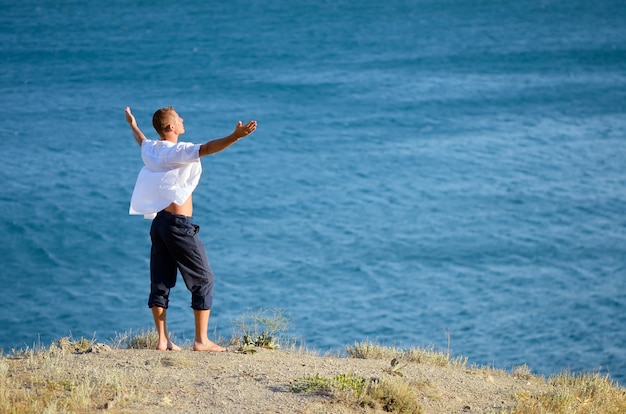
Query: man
{"x":163,"y":192}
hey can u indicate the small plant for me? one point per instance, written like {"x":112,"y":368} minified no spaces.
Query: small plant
{"x":259,"y":329}
{"x":394,"y":396}
{"x":249,"y":343}
{"x":351,"y":382}
{"x":319,"y":385}
{"x":263,"y":341}
{"x":315,"y":384}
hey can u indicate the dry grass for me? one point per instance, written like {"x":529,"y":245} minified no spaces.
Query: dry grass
{"x":584,"y":394}
{"x":390,"y":394}
{"x":581,"y":394}
{"x":144,"y":339}
{"x":38,"y":381}
{"x":394,"y":396}
{"x":369,"y":350}
{"x":44,"y":380}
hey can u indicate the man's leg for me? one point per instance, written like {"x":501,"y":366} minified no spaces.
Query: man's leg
{"x":201,"y":341}
{"x":162,"y":279}
{"x":164,"y":344}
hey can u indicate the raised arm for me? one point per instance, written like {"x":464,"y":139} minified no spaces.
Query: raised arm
{"x":220,"y":144}
{"x":137,"y":134}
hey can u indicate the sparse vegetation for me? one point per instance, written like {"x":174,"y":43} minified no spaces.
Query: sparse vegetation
{"x":389,"y":394}
{"x":369,"y":350}
{"x":262,"y":328}
{"x":522,"y":371}
{"x":37,"y":381}
{"x":60,"y":379}
{"x":586,"y":393}
{"x":315,"y":384}
{"x":394,"y":396}
{"x":144,"y":339}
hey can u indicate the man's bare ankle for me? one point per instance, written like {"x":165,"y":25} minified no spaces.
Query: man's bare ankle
{"x":168,"y":346}
{"x":208,"y":346}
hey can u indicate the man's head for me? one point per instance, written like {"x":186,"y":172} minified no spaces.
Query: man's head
{"x":166,"y":121}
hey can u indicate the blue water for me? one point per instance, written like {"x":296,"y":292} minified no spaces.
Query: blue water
{"x":421,"y":169}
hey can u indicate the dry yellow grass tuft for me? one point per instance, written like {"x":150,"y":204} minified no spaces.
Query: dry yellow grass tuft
{"x":584,"y":394}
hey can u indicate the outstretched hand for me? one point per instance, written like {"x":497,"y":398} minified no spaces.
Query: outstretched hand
{"x":130,"y":118}
{"x":137,"y":134}
{"x":244,"y":130}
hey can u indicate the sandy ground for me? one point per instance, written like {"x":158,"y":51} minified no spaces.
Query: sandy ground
{"x":191,"y":382}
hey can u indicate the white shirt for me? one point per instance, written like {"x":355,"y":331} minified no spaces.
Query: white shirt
{"x":170,"y":174}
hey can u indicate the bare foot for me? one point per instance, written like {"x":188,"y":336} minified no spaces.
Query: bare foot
{"x":170,"y":346}
{"x":208,"y":346}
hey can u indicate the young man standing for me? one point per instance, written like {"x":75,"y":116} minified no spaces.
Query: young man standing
{"x":163,"y":192}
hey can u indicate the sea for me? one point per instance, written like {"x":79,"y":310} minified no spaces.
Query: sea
{"x":442,"y":174}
